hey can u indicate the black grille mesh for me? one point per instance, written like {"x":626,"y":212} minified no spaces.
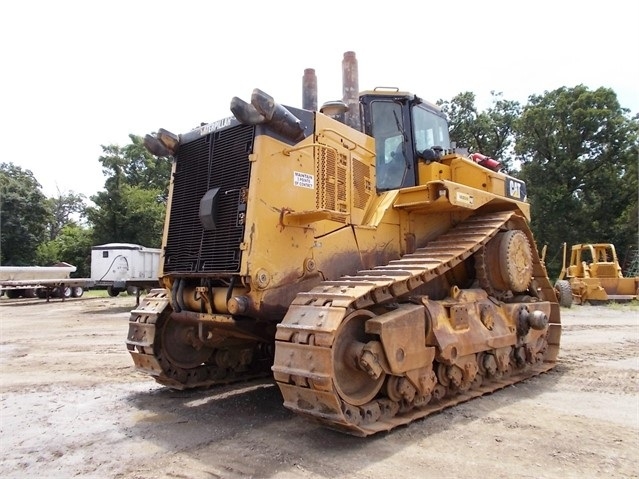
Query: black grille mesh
{"x":219,"y":159}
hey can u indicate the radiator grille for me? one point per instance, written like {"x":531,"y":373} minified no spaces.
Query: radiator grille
{"x":219,"y":159}
{"x":332,"y":174}
{"x":362,"y":185}
{"x":325,"y":189}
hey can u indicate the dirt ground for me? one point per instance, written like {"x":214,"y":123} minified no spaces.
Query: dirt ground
{"x":72,"y":405}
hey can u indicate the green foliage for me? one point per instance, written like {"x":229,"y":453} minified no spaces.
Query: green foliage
{"x":487,"y":132}
{"x":63,"y":207}
{"x":128,"y":214}
{"x":37,"y":230}
{"x":24,"y":216}
{"x":131,"y":209}
{"x":135,"y":166}
{"x":579,"y":158}
{"x":72,"y":245}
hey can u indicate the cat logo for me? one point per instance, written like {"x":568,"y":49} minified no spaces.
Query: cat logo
{"x":516,"y":189}
{"x":216,"y":125}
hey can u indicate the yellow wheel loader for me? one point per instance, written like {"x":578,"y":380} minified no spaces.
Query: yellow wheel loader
{"x":377,"y":273}
{"x":593,"y":275}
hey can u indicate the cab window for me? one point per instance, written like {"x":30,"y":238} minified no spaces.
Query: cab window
{"x":429,"y":129}
{"x":388,"y":131}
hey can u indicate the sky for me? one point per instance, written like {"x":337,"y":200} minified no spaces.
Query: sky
{"x":76,"y":75}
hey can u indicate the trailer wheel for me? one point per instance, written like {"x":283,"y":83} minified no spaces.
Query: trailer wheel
{"x":77,"y":291}
{"x":62,"y":292}
{"x":113,"y":292}
{"x":13,"y":293}
{"x":564,"y":293}
{"x":30,"y":293}
{"x":132,"y":290}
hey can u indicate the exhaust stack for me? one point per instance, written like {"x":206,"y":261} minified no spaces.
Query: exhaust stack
{"x":309,"y":90}
{"x":350,"y":89}
{"x":264,"y":110}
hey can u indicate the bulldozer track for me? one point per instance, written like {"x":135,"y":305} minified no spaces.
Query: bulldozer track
{"x":304,"y":363}
{"x":148,"y":356}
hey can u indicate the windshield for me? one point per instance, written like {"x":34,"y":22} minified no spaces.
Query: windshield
{"x":429,"y":129}
{"x":388,"y":131}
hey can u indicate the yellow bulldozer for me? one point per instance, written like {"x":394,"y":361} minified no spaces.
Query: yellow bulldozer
{"x":353,"y":253}
{"x":593,"y":275}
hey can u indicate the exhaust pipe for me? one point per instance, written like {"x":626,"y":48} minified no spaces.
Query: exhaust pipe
{"x":164,"y":143}
{"x":264,"y":110}
{"x":350,"y":89}
{"x":309,"y":90}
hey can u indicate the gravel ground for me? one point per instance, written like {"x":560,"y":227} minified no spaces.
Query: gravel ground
{"x":72,"y":405}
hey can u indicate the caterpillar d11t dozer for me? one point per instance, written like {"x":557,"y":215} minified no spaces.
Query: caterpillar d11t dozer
{"x":375,"y":272}
{"x":593,"y":275}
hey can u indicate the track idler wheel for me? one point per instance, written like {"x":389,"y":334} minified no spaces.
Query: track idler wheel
{"x":354,"y":385}
{"x":181,"y":345}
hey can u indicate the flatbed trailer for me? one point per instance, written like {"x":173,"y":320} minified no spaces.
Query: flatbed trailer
{"x":118,"y":267}
{"x":46,"y":288}
{"x":70,"y":287}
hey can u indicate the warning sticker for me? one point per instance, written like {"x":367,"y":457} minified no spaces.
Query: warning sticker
{"x":465,"y":198}
{"x":303,"y":180}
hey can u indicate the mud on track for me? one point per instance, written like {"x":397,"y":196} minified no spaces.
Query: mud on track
{"x":71,"y":404}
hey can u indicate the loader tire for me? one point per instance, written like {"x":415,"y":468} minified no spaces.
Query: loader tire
{"x":564,"y":293}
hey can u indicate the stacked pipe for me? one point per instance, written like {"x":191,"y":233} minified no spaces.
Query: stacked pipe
{"x":350,"y":89}
{"x":309,"y":90}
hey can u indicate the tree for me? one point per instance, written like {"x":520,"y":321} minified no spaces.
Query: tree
{"x":488,"y":132}
{"x":131,"y":209}
{"x":135,"y":166}
{"x":128,"y":215}
{"x":72,"y":245}
{"x":62,"y":208}
{"x":24,"y":216}
{"x":145,"y":170}
{"x":578,"y":151}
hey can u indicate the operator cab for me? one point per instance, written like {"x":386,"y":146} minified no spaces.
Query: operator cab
{"x":406,"y":129}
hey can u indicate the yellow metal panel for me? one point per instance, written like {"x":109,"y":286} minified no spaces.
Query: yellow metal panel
{"x":433,"y":171}
{"x":167,"y":215}
{"x":302,"y":199}
{"x":280,"y":182}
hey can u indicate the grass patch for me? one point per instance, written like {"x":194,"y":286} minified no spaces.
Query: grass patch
{"x":626,"y":306}
{"x":96,"y":293}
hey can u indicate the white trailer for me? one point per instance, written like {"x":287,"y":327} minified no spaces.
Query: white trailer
{"x":20,"y":273}
{"x":116,"y":266}
{"x":41,"y":281}
{"x":124,"y":266}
